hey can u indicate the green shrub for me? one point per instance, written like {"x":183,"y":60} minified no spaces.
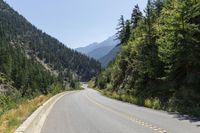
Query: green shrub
{"x":55,"y":88}
{"x":12,"y":122}
{"x":125,"y":98}
{"x":109,"y":87}
{"x":152,"y":103}
{"x":115,"y":95}
{"x":133,"y":100}
{"x":148,"y":103}
{"x":10,"y":101}
{"x":107,"y":93}
{"x":91,"y":83}
{"x":156,"y":103}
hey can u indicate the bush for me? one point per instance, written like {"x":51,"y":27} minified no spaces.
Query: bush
{"x":152,"y":103}
{"x":109,"y":87}
{"x":75,"y":85}
{"x":133,"y":100}
{"x":107,"y":93}
{"x":148,"y":103}
{"x":125,"y":98}
{"x":156,"y":103}
{"x":115,"y":95}
{"x":55,"y":89}
{"x":9,"y":102}
{"x":91,"y":83}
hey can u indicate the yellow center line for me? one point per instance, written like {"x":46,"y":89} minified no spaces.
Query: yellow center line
{"x":127,"y":116}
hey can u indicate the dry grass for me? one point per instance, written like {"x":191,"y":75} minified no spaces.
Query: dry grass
{"x":13,"y":118}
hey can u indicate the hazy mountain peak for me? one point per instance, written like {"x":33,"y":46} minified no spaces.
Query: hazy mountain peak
{"x":99,"y":50}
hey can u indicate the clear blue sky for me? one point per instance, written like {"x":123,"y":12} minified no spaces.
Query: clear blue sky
{"x":76,"y":22}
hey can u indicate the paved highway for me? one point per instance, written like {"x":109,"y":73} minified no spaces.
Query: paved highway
{"x":87,"y":111}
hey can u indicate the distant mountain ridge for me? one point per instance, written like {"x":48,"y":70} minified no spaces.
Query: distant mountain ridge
{"x":88,"y":49}
{"x":98,"y":53}
{"x":99,"y":50}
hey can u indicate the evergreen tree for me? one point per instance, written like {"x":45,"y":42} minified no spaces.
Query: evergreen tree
{"x":121,"y":29}
{"x":16,"y":30}
{"x":161,"y":60}
{"x":158,"y":5}
{"x":127,"y":31}
{"x":179,"y":48}
{"x":135,"y":16}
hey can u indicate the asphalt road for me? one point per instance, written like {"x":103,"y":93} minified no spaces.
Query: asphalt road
{"x":87,"y":111}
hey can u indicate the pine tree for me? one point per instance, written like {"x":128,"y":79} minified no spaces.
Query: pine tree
{"x":135,"y":16}
{"x":127,"y":32}
{"x":179,"y":49}
{"x":161,"y":59}
{"x":121,"y":29}
{"x":158,"y":5}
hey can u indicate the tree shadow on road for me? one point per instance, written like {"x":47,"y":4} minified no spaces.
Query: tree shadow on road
{"x":182,"y":117}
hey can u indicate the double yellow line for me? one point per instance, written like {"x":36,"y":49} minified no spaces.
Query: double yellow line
{"x":127,"y":116}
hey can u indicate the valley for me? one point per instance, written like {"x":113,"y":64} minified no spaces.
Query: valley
{"x":144,"y":78}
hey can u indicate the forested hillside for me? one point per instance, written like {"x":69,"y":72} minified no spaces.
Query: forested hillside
{"x":17,"y":30}
{"x":33,"y":63}
{"x":159,"y":64}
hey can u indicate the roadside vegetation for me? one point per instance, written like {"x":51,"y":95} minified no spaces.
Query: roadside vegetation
{"x":25,"y":84}
{"x":12,"y":118}
{"x":33,"y":67}
{"x":158,"y":65}
{"x":14,"y":109}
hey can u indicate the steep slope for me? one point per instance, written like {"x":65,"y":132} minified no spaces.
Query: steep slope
{"x":98,"y":50}
{"x":110,"y":56}
{"x":16,"y":29}
{"x":25,"y":74}
{"x":158,"y":64}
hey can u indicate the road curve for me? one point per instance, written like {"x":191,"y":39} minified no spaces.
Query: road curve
{"x":87,"y":111}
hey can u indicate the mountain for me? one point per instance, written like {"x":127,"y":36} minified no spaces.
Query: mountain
{"x":99,"y":50}
{"x":87,"y":49}
{"x":33,"y":60}
{"x":108,"y":58}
